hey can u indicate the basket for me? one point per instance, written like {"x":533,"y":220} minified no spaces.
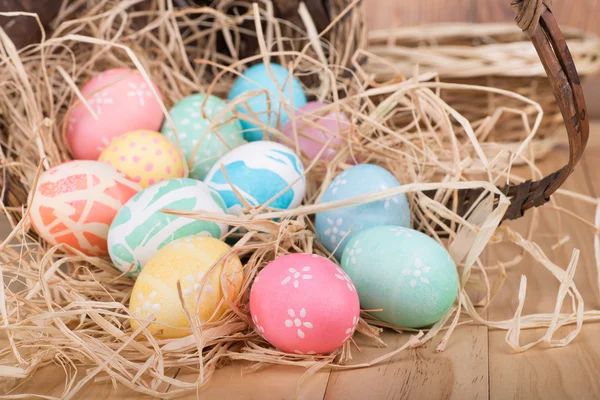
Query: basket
{"x":70,"y":309}
{"x":493,"y":55}
{"x":346,"y":32}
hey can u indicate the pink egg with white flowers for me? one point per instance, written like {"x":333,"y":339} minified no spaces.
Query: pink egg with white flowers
{"x":121,"y":101}
{"x":304,"y":304}
{"x":315,"y":128}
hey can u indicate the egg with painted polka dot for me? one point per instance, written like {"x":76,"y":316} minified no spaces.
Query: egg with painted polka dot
{"x":271,"y":94}
{"x":317,"y":132}
{"x":260,"y":172}
{"x":209,"y":274}
{"x":304,"y":304}
{"x":119,"y":100}
{"x":336,"y":227}
{"x":140,"y":228}
{"x":406,"y":273}
{"x":146,"y":157}
{"x":75,"y":202}
{"x":205,"y":130}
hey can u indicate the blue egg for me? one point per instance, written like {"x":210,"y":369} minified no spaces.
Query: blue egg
{"x":333,"y":226}
{"x":271,"y":110}
{"x":259,"y":171}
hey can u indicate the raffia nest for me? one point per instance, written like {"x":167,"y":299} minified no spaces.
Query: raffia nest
{"x":494,"y":55}
{"x":69,"y":309}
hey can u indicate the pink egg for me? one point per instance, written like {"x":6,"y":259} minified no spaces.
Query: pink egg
{"x":122,"y":102}
{"x":314,"y":130}
{"x":304,"y":304}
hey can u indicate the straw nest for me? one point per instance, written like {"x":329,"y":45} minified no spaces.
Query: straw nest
{"x":494,"y":55}
{"x":71,"y":310}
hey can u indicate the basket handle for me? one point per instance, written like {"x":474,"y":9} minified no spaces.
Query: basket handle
{"x":536,"y":18}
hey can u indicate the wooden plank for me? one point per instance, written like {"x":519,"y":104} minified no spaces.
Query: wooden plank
{"x":460,"y":372}
{"x":383,"y":14}
{"x":271,"y":382}
{"x":542,"y":372}
{"x":493,"y":11}
{"x":50,"y":381}
{"x":576,"y":13}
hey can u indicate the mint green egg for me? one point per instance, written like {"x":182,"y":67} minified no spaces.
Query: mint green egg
{"x":203,"y":147}
{"x":402,"y":271}
{"x":140,"y":228}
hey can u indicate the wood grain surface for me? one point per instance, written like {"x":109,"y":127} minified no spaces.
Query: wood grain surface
{"x":477,"y":363}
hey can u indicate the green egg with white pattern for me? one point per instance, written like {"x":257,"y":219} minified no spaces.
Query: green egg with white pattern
{"x":140,"y":229}
{"x":404,"y":272}
{"x":205,"y":131}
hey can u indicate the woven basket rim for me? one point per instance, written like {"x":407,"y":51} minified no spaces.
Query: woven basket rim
{"x":466,"y":30}
{"x":503,"y":59}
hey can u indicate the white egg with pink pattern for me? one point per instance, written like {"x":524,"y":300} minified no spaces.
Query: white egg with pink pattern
{"x":304,"y":304}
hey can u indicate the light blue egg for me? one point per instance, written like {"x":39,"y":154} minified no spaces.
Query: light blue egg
{"x":259,"y":171}
{"x":332,"y":226}
{"x":192,"y":116}
{"x":402,"y":271}
{"x":271,"y":110}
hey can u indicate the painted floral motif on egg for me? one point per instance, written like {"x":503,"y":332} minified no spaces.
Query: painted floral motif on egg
{"x":304,"y":304}
{"x":406,"y":273}
{"x":122,"y":101}
{"x":146,"y":157}
{"x":75,"y":203}
{"x":204,"y":131}
{"x":335,"y":228}
{"x":140,"y":229}
{"x":259,"y":171}
{"x":191,"y":262}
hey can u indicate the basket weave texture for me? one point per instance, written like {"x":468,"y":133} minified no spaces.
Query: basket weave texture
{"x":493,"y":55}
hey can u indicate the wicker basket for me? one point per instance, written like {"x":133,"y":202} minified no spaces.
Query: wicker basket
{"x":347,"y":32}
{"x":494,"y":55}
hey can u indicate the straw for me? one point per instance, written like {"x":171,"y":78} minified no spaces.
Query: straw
{"x":59,"y":306}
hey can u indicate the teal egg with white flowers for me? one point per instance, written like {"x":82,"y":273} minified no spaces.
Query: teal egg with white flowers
{"x":336,"y":227}
{"x":140,"y":228}
{"x":205,"y":129}
{"x":404,"y":272}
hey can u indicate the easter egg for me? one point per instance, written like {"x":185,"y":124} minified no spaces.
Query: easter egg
{"x":194,"y":262}
{"x":140,"y":229}
{"x":122,"y":102}
{"x":313,"y":130}
{"x":404,"y":272}
{"x":335,"y":225}
{"x":205,"y":133}
{"x":283,"y":95}
{"x":75,"y":202}
{"x":305,"y":304}
{"x":259,"y":171}
{"x":144,"y":156}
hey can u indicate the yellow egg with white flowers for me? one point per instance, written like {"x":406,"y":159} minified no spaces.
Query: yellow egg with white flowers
{"x":207,"y":274}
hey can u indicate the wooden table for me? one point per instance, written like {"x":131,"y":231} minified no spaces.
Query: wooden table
{"x":477,"y":363}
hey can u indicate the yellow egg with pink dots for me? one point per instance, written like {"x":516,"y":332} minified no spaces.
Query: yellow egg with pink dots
{"x":145,"y":157}
{"x":199,"y":270}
